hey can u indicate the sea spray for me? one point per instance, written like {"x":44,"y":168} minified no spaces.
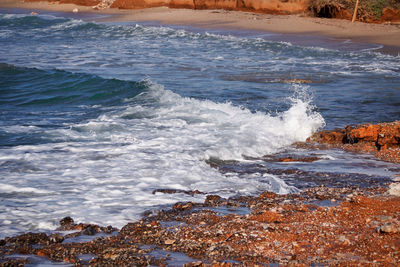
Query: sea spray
{"x":106,"y":168}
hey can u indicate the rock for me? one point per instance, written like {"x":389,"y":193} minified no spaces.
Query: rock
{"x":331,"y":137}
{"x":260,"y":6}
{"x":66,"y":221}
{"x":344,"y":240}
{"x":181,"y":4}
{"x":89,"y":231}
{"x":75,"y":10}
{"x":56,"y":238}
{"x":267,"y":217}
{"x":183,"y":206}
{"x":388,"y":228}
{"x":382,"y":139}
{"x":81,"y":2}
{"x":176,"y":191}
{"x":169,"y":242}
{"x":390,"y":15}
{"x":394,"y":189}
{"x":268,"y":194}
{"x":304,"y":159}
{"x":214,"y":200}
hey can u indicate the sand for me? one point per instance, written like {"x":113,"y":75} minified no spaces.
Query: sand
{"x":386,"y":35}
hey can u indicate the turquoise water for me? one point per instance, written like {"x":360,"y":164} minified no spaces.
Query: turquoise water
{"x":95,"y":116}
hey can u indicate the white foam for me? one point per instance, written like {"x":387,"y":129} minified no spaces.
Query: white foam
{"x":106,"y":169}
{"x":7,"y":188}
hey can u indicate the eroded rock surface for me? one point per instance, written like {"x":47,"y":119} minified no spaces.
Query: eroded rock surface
{"x":382,"y":139}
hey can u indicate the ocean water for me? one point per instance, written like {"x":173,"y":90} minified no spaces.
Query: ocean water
{"x":95,"y":116}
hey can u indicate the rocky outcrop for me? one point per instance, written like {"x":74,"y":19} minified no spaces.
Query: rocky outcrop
{"x":138,"y":4}
{"x":270,"y":7}
{"x":382,"y":139}
{"x":391,"y":15}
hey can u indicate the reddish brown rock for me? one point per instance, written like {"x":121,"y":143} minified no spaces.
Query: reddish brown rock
{"x":390,"y":15}
{"x":81,"y":2}
{"x":76,"y":2}
{"x":260,"y":6}
{"x":267,"y":217}
{"x":330,"y":137}
{"x":382,"y":139}
{"x":181,"y":4}
{"x":138,"y":4}
{"x":296,"y":159}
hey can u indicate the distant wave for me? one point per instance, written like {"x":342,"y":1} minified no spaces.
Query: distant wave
{"x":23,"y":86}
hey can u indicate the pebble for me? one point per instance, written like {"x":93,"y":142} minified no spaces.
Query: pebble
{"x":169,"y":242}
{"x":388,"y":228}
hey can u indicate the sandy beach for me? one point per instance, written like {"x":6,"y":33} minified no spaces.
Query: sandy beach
{"x":299,"y":25}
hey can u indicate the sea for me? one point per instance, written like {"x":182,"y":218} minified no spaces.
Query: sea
{"x":95,"y":116}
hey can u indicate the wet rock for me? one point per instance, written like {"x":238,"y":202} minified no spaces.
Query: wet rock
{"x":304,"y":159}
{"x":268,"y":194}
{"x":56,"y":238}
{"x":108,"y":229}
{"x":66,"y":221}
{"x":193,"y":264}
{"x":183,"y":206}
{"x":281,"y":229}
{"x":382,"y":139}
{"x":214,"y":200}
{"x":29,"y":239}
{"x":13,"y":262}
{"x":176,"y":191}
{"x":89,"y":231}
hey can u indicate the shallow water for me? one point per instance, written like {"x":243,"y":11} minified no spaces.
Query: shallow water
{"x":95,"y":116}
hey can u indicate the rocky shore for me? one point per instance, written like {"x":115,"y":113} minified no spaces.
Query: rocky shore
{"x":381,"y":139}
{"x":346,"y":226}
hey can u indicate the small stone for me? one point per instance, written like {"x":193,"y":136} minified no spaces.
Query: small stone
{"x":56,"y":238}
{"x":89,"y":231}
{"x":344,"y":240}
{"x":66,"y":221}
{"x":169,"y":242}
{"x":214,"y":200}
{"x":75,"y":10}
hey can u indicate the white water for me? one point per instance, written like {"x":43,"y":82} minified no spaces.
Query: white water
{"x":107,"y":168}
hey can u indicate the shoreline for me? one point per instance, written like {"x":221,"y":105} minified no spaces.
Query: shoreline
{"x":306,"y":30}
{"x":321,"y":225}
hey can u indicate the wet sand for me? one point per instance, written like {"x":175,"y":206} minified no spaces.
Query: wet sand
{"x":297,"y":28}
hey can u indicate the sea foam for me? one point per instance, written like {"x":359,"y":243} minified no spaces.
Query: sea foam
{"x":106,"y":168}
